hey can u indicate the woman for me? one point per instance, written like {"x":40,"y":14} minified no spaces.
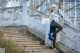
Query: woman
{"x":55,"y":27}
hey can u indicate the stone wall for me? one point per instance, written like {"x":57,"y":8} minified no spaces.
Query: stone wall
{"x":71,"y":38}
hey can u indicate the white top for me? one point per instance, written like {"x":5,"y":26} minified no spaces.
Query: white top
{"x":54,"y":17}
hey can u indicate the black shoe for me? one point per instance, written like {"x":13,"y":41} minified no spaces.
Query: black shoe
{"x":50,"y":47}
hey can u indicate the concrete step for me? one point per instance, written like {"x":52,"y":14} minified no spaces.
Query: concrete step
{"x":19,"y":37}
{"x":28,"y":43}
{"x":33,"y":46}
{"x":17,"y":40}
{"x":42,"y":50}
{"x":13,"y":34}
{"x":11,"y":31}
{"x":39,"y":50}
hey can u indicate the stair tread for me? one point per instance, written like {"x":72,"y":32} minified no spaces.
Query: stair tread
{"x":27,"y":42}
{"x":34,"y":47}
{"x":39,"y":50}
{"x":19,"y":38}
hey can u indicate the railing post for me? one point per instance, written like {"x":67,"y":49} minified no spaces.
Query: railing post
{"x":24,"y":12}
{"x":75,"y":14}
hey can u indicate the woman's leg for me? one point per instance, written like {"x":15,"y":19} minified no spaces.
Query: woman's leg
{"x":54,"y":41}
{"x":57,"y":29}
{"x":52,"y":29}
{"x":56,"y":25}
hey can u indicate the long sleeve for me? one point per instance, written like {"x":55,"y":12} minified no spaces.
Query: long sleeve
{"x":54,"y":17}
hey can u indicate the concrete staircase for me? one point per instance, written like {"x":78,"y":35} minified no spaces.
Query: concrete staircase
{"x":26,"y":41}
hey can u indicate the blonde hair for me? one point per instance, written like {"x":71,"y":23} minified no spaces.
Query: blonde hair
{"x":53,"y":7}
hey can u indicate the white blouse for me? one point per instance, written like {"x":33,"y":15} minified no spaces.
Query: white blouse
{"x":54,"y":17}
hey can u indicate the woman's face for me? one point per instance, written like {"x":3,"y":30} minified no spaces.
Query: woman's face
{"x":53,"y":8}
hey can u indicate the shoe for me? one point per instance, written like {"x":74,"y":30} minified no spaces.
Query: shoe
{"x":50,"y":47}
